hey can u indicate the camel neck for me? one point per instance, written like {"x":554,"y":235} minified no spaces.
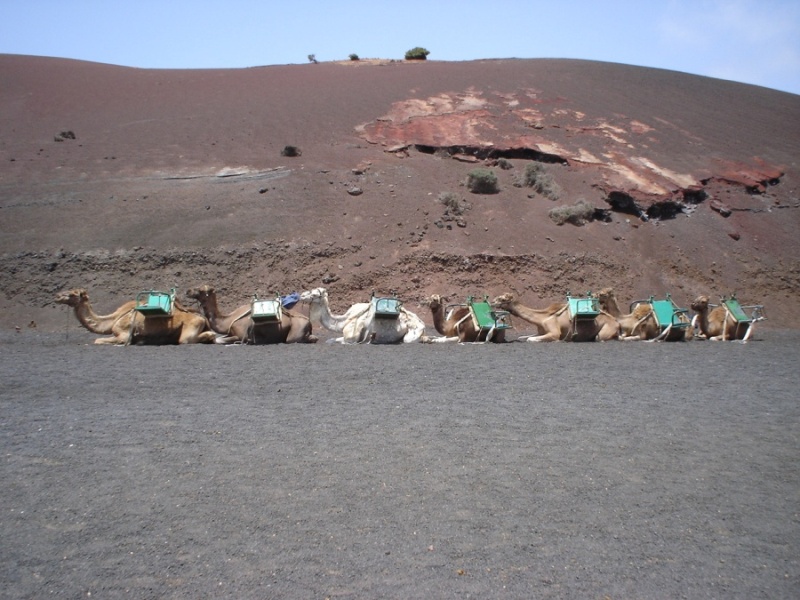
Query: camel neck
{"x":88,"y":318}
{"x":321,"y":312}
{"x":613,"y":308}
{"x":219,"y":322}
{"x":528,"y":314}
{"x":703,"y":321}
{"x":437,"y":312}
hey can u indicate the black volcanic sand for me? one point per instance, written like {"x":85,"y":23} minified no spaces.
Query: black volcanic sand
{"x":324,"y":471}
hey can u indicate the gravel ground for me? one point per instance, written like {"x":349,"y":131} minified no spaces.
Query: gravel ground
{"x":420,"y":471}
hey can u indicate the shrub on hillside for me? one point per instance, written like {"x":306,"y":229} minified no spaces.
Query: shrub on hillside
{"x":291,"y":151}
{"x":538,"y":177}
{"x":417,"y":54}
{"x":354,"y":57}
{"x":482,"y":181}
{"x":452,"y":203}
{"x":577,"y":214}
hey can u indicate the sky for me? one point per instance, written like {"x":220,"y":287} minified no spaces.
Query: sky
{"x":751,"y":41}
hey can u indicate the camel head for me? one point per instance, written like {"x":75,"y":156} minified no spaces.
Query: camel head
{"x":315,"y":295}
{"x":204,"y":292}
{"x":72,"y":297}
{"x":504,"y":301}
{"x":604,"y":295}
{"x":700,"y":304}
{"x":435,"y":301}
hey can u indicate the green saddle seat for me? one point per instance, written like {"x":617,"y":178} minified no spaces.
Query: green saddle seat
{"x":386,"y":307}
{"x":266,"y":311}
{"x":486,"y":317}
{"x":583,"y":307}
{"x":152,"y":303}
{"x":736,"y":311}
{"x":668,"y":313}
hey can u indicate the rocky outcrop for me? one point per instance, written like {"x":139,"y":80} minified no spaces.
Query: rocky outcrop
{"x":621,"y":155}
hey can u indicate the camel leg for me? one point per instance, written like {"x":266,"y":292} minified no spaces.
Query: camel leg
{"x":207,"y":337}
{"x":112,"y":341}
{"x":187,"y":337}
{"x":196,"y":335}
{"x":305,"y":336}
{"x":438,"y":340}
{"x":354,"y":332}
{"x":295,"y":336}
{"x":543,"y":338}
{"x":553,"y":333}
{"x":414,"y":333}
{"x":299,"y":330}
{"x":552,"y":329}
{"x":662,"y":335}
{"x":608,"y":332}
{"x":631,"y":338}
{"x":725,"y":324}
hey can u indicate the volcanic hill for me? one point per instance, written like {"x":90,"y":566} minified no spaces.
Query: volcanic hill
{"x":353,"y":176}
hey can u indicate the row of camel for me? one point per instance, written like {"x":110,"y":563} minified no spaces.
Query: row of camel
{"x":362,"y":324}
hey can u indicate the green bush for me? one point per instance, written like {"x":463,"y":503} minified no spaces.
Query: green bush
{"x":577,"y":214}
{"x":537,"y":176}
{"x":354,"y":57}
{"x":482,"y":181}
{"x":452,"y":203}
{"x":417,"y":54}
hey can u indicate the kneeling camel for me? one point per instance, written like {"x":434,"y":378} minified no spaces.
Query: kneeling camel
{"x":457,"y":325}
{"x":557,"y":325}
{"x":238,"y":325}
{"x":127,"y":326}
{"x":360,"y":323}
{"x":720,"y":324}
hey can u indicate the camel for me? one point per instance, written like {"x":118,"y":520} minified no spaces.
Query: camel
{"x":457,"y":325}
{"x":238,"y":325}
{"x":557,"y":325}
{"x":127,"y":326}
{"x":639,"y":324}
{"x":720,"y":324}
{"x":320,"y":310}
{"x":361,"y":323}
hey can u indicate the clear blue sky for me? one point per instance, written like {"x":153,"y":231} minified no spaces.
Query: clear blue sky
{"x":753,"y":41}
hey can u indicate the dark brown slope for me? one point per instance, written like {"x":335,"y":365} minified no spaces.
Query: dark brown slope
{"x":176,"y":178}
